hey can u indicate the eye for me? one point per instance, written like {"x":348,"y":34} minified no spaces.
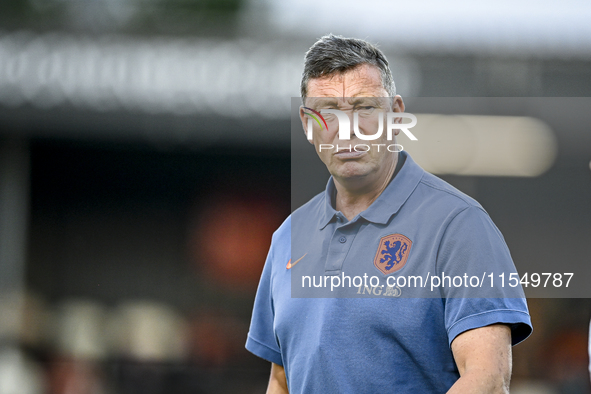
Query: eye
{"x":366,"y":110}
{"x":329,"y":117}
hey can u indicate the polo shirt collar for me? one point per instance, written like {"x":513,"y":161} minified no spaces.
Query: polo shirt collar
{"x":388,"y":203}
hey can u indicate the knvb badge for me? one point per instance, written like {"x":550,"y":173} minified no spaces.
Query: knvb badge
{"x":392,"y":253}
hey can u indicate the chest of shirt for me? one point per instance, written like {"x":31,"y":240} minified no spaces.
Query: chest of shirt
{"x":364,"y":255}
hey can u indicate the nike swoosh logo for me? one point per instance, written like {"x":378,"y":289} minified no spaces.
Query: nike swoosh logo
{"x":289,"y":264}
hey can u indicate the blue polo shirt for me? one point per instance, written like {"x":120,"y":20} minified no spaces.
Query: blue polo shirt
{"x":385,"y":335}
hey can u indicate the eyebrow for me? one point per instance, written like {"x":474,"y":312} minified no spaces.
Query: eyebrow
{"x":329,"y":101}
{"x":373,"y":100}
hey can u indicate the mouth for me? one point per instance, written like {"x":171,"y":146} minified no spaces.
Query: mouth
{"x":348,"y":154}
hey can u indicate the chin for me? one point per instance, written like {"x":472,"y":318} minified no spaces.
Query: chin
{"x":351,"y":171}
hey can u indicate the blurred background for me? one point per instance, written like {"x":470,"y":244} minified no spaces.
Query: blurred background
{"x":145,"y":160}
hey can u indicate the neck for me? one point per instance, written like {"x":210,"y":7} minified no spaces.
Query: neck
{"x":354,"y":199}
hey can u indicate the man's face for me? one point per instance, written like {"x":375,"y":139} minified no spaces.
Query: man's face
{"x":358,"y":90}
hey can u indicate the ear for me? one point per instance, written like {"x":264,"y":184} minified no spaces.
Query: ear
{"x":304,"y":120}
{"x":397,"y":106}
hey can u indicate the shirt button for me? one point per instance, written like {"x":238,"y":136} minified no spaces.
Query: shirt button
{"x":338,"y":219}
{"x":343,"y":240}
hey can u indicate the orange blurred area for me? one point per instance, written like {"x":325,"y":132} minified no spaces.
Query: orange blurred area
{"x":231,"y":237}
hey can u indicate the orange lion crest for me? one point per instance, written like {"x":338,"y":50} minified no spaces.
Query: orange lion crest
{"x":392,"y":253}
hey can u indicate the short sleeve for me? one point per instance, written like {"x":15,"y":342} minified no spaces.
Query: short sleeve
{"x":473,"y":249}
{"x":261,"y":338}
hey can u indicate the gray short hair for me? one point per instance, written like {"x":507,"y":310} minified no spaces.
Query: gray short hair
{"x":336,"y":54}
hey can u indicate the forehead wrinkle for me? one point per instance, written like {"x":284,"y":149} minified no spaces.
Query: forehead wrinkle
{"x":362,"y":83}
{"x":365,"y":82}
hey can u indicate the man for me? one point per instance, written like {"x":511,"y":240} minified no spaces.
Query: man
{"x":381,"y":215}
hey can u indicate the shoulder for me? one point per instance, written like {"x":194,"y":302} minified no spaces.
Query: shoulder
{"x":446,"y":193}
{"x":282,"y":235}
{"x":445,"y":209}
{"x":312,"y":208}
{"x":440,"y":199}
